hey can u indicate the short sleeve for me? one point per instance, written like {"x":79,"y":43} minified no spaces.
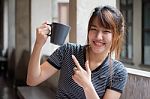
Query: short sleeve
{"x":56,"y":58}
{"x":119,"y":78}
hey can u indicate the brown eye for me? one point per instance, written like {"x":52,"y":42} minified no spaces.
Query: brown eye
{"x":93,"y":29}
{"x":107,"y":31}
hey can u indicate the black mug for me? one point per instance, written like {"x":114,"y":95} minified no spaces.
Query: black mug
{"x":58,"y":33}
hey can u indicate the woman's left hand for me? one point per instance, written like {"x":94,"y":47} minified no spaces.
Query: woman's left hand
{"x":81,"y":77}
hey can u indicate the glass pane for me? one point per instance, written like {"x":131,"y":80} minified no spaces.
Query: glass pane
{"x":147,"y":48}
{"x":147,"y":15}
{"x":146,"y":34}
{"x":130,"y":1}
{"x":123,"y":2}
{"x":123,"y":53}
{"x":130,"y":16}
{"x":130,"y":42}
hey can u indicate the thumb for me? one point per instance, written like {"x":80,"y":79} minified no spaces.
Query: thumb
{"x":87,"y":66}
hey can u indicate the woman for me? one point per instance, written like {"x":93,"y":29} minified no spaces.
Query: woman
{"x":86,"y":72}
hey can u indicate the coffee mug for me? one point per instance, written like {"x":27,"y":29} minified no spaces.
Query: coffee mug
{"x":58,"y":33}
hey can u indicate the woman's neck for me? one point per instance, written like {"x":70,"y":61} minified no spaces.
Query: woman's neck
{"x":95,"y":59}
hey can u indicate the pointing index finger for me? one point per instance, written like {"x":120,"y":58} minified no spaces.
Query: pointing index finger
{"x":76,"y":62}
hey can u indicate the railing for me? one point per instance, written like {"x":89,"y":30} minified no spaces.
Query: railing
{"x":138,"y":85}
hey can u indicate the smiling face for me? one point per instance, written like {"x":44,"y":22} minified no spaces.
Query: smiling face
{"x":99,"y":38}
{"x":106,"y":30}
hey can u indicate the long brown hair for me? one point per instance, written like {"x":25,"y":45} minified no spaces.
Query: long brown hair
{"x":110,"y":18}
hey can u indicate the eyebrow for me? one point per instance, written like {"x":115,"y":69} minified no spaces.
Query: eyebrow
{"x":93,"y":26}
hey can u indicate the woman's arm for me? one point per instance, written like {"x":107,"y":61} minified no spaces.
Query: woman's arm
{"x":83,"y":78}
{"x":92,"y":94}
{"x":111,"y":94}
{"x":36,"y":72}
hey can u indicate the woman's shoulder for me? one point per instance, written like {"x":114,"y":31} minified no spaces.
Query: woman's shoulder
{"x":117,"y":62}
{"x":118,"y":66}
{"x":72,"y":46}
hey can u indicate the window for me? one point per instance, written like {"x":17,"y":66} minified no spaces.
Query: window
{"x":126,"y":7}
{"x":146,"y":33}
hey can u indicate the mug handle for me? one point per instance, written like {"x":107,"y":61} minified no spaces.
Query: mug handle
{"x":49,"y":34}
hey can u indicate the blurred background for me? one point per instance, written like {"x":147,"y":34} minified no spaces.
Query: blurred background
{"x":18,"y":22}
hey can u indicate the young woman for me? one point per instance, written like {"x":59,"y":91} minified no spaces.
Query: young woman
{"x":86,"y":72}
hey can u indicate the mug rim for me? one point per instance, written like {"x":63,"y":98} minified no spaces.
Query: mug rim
{"x":59,"y":23}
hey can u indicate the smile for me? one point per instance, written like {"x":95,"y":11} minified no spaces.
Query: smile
{"x":99,"y":44}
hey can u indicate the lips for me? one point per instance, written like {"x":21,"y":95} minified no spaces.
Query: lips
{"x":98,"y":43}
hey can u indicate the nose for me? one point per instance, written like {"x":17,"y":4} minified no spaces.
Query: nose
{"x":99,"y":35}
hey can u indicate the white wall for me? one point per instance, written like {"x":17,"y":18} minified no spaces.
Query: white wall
{"x":41,"y":12}
{"x":5,"y":25}
{"x":9,"y":24}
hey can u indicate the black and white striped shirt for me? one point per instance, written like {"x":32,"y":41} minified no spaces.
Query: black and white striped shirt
{"x":104,"y":77}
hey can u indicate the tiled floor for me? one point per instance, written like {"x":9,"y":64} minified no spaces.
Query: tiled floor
{"x":6,"y":90}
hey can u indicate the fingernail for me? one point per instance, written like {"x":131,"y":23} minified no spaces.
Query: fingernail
{"x":72,"y":56}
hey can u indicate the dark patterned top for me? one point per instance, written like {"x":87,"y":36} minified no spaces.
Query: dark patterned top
{"x":109,"y":75}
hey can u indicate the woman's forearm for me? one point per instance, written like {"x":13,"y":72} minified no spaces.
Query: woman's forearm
{"x":90,"y":92}
{"x":34,"y":69}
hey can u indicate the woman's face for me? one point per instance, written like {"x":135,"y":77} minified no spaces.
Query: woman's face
{"x":100,"y":38}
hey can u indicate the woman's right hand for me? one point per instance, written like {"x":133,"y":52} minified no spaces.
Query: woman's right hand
{"x":41,"y":34}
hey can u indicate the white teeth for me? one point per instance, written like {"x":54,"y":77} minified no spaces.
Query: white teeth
{"x":98,"y":43}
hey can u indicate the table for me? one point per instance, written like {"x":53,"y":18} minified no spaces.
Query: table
{"x":35,"y":93}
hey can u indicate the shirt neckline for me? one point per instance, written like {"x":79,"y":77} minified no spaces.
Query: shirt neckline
{"x":100,"y":66}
